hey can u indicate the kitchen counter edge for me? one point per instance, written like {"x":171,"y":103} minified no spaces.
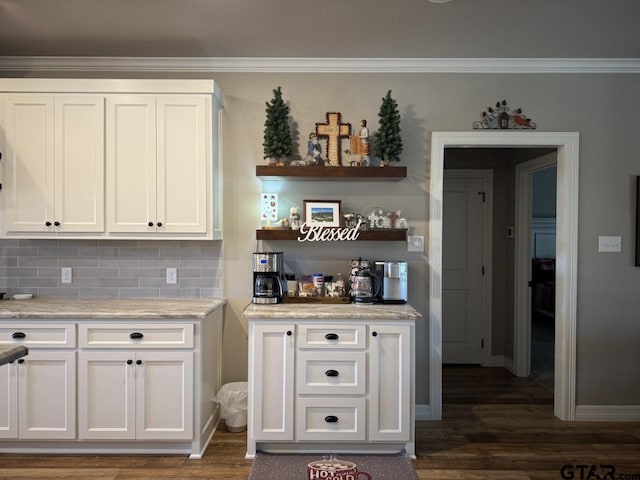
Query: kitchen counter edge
{"x":84,"y":308}
{"x":328,"y":312}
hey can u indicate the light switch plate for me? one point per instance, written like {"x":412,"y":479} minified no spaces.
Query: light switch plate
{"x":609,"y":244}
{"x":415,"y":243}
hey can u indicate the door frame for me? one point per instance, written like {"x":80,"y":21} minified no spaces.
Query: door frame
{"x":522,"y":271}
{"x":566,"y":254}
{"x":487,"y":253}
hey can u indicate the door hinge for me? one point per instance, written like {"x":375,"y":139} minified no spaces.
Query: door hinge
{"x":484,"y":195}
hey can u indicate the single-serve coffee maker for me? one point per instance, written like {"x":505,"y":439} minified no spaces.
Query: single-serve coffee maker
{"x":267,"y":277}
{"x":394,"y":282}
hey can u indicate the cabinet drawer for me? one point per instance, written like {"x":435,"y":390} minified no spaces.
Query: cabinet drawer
{"x":40,"y":335}
{"x":330,"y":418}
{"x":131,"y":335}
{"x":335,"y":373}
{"x":332,"y":336}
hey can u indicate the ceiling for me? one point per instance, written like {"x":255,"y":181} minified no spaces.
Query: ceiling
{"x":321,"y":28}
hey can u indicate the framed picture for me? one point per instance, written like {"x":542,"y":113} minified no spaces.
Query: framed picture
{"x":638,"y":221}
{"x":327,"y":213}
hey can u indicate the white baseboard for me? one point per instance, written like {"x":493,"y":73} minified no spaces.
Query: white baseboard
{"x":608,"y":413}
{"x":423,"y":412}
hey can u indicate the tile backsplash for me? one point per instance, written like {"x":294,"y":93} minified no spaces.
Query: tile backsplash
{"x":112,"y":268}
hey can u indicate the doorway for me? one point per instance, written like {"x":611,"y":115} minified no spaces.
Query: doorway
{"x":536,"y":249}
{"x":567,"y":207}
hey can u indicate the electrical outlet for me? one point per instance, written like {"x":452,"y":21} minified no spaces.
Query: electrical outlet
{"x":609,"y":244}
{"x":67,"y":275}
{"x":172,"y":275}
{"x":415,"y":243}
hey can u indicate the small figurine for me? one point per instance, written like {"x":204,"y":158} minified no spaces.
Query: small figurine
{"x":314,"y":151}
{"x":294,"y":218}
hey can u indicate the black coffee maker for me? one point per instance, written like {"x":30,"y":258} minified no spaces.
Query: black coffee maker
{"x":267,"y":277}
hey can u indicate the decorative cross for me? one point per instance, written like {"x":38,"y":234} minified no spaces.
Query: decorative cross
{"x":334,"y":131}
{"x":393,"y":217}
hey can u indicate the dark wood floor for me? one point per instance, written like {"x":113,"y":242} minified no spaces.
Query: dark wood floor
{"x":495,"y":427}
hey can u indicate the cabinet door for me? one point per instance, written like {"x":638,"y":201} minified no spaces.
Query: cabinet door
{"x":29,"y":135}
{"x":390,"y":381}
{"x":164,"y":395}
{"x":131,"y":163}
{"x":9,"y":400}
{"x":106,"y":395}
{"x":182,"y":163}
{"x":47,"y":395}
{"x":271,"y":394}
{"x":79,"y":163}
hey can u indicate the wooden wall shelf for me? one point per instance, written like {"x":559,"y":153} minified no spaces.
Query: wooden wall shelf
{"x":333,"y":173}
{"x":381,"y":235}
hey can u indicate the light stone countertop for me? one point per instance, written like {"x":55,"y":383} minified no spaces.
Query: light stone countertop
{"x":323,"y":311}
{"x":139,"y":308}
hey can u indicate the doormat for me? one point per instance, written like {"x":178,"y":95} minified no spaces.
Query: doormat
{"x":270,"y":466}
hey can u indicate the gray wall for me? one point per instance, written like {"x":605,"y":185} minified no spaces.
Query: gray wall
{"x":600,"y":106}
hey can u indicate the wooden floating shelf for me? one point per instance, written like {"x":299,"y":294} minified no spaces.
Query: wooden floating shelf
{"x":333,"y":173}
{"x":381,"y":235}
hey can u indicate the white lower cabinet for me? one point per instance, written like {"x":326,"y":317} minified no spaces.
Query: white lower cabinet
{"x":271,"y":368}
{"x":314,"y":384}
{"x":135,"y":395}
{"x":38,"y":397}
{"x":112,"y":385}
{"x":38,"y":392}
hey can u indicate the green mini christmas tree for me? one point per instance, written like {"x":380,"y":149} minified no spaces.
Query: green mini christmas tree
{"x":277,"y":134}
{"x":388,"y":144}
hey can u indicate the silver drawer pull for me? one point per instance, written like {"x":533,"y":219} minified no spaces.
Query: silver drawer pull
{"x":331,"y":419}
{"x":331,"y":373}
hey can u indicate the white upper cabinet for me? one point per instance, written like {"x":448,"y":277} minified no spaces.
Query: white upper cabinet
{"x":54,"y":174}
{"x":129,"y":159}
{"x":157,"y":163}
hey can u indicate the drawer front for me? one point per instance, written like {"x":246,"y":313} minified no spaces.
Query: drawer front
{"x":41,"y":335}
{"x":332,"y":336}
{"x":330,"y":418}
{"x":131,"y":335}
{"x":335,"y":373}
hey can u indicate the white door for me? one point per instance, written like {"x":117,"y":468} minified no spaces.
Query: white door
{"x":131,"y":163}
{"x":29,"y":134}
{"x":47,"y":395}
{"x":79,"y":163}
{"x":390,"y":380}
{"x":271,"y":380}
{"x":164,"y":395}
{"x":9,"y":400}
{"x":462,"y":269}
{"x":182,"y":164}
{"x":106,"y":395}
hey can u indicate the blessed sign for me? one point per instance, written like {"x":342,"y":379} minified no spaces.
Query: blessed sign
{"x":320,"y":233}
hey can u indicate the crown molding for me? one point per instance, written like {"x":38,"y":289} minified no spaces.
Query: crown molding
{"x":320,"y":65}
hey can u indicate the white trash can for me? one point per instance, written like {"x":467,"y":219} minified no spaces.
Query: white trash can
{"x":232,"y":398}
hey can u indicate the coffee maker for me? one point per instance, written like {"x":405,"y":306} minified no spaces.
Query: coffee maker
{"x":394,"y":282}
{"x":267,"y":277}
